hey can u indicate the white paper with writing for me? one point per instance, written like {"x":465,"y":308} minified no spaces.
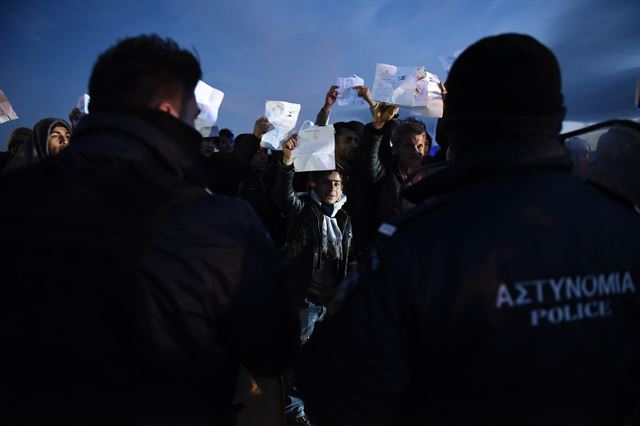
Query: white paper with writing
{"x":403,"y":86}
{"x":315,"y":150}
{"x":347,"y":95}
{"x":431,"y":96}
{"x":282,"y":118}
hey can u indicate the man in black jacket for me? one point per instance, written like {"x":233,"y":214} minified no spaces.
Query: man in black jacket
{"x":132,"y":294}
{"x":509,"y":295}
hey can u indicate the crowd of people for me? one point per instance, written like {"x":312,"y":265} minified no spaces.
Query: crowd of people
{"x":151,"y":274}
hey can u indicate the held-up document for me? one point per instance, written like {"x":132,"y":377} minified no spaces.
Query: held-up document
{"x":403,"y":86}
{"x":83,"y":103}
{"x":6,"y":110}
{"x":209,"y":100}
{"x":315,"y":150}
{"x":432,"y":95}
{"x":347,"y":95}
{"x":282,"y":118}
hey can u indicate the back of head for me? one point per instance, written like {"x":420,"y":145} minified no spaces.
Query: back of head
{"x":505,"y":83}
{"x":140,"y":71}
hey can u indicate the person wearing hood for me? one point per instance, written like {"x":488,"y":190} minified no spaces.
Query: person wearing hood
{"x":49,"y":137}
{"x":318,"y":243}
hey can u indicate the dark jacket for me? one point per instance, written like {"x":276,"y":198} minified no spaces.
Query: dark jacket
{"x":509,"y":296}
{"x":130,"y":294}
{"x":303,"y":246}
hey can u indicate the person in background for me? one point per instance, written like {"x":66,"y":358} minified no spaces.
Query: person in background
{"x":16,"y":139}
{"x":49,"y":137}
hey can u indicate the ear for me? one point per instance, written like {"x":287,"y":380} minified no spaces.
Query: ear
{"x":168,"y":108}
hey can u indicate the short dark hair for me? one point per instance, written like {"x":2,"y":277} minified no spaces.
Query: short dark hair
{"x":226,"y":133}
{"x":317,"y":175}
{"x":140,"y":70}
{"x":409,"y":127}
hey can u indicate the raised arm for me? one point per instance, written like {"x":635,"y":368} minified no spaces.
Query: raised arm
{"x":284,"y":196}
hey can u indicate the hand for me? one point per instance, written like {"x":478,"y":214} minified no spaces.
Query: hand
{"x":384,"y":113}
{"x":330,"y":98}
{"x":443,"y":91}
{"x":261,"y":127}
{"x":74,"y":116}
{"x":364,"y":93}
{"x":287,"y":149}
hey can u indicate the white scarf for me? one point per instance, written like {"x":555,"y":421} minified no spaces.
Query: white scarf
{"x":331,"y":234}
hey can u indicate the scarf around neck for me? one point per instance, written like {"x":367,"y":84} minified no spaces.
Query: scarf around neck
{"x":331,"y":234}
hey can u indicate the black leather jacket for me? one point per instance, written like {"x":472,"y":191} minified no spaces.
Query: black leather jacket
{"x":303,"y":246}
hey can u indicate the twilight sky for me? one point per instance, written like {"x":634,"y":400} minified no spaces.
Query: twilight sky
{"x":294,"y":50}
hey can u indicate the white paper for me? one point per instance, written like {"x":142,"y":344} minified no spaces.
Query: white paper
{"x":403,"y":86}
{"x":282,"y":117}
{"x":431,"y":95}
{"x":6,"y":110}
{"x":447,"y":61}
{"x":83,"y":103}
{"x":209,"y":100}
{"x":315,"y":150}
{"x":347,"y":95}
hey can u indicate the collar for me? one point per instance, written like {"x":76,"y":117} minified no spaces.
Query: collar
{"x":149,"y":136}
{"x":508,"y":158}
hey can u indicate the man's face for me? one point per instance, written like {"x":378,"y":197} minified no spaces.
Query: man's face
{"x":329,"y":188}
{"x":206,"y":147}
{"x":189,"y":110}
{"x":58,"y":139}
{"x":346,"y":145}
{"x":411,"y":150}
{"x":224,"y":144}
{"x":259,"y":162}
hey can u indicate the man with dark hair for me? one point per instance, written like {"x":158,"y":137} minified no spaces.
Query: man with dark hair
{"x":509,"y":295}
{"x":318,"y":246}
{"x":390,"y":154}
{"x":131,"y":295}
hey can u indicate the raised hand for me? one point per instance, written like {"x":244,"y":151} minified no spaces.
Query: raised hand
{"x":261,"y":127}
{"x":287,"y":149}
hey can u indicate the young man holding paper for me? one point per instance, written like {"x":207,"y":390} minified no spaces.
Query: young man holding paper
{"x":317,"y":245}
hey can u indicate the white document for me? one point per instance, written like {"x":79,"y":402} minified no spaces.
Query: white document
{"x":447,"y":61}
{"x":431,"y":95}
{"x":83,"y":103}
{"x":316,"y":149}
{"x":282,"y":117}
{"x":347,"y":95}
{"x":403,"y":86}
{"x":6,"y":110}
{"x":209,"y":100}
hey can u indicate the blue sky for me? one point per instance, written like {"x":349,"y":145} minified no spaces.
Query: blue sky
{"x":293,"y":50}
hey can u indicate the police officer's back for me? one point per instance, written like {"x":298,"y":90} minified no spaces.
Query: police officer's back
{"x":509,"y":295}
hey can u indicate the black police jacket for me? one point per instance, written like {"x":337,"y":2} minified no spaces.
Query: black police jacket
{"x":508,"y":296}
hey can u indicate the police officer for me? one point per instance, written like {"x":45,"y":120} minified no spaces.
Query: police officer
{"x":509,"y":295}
